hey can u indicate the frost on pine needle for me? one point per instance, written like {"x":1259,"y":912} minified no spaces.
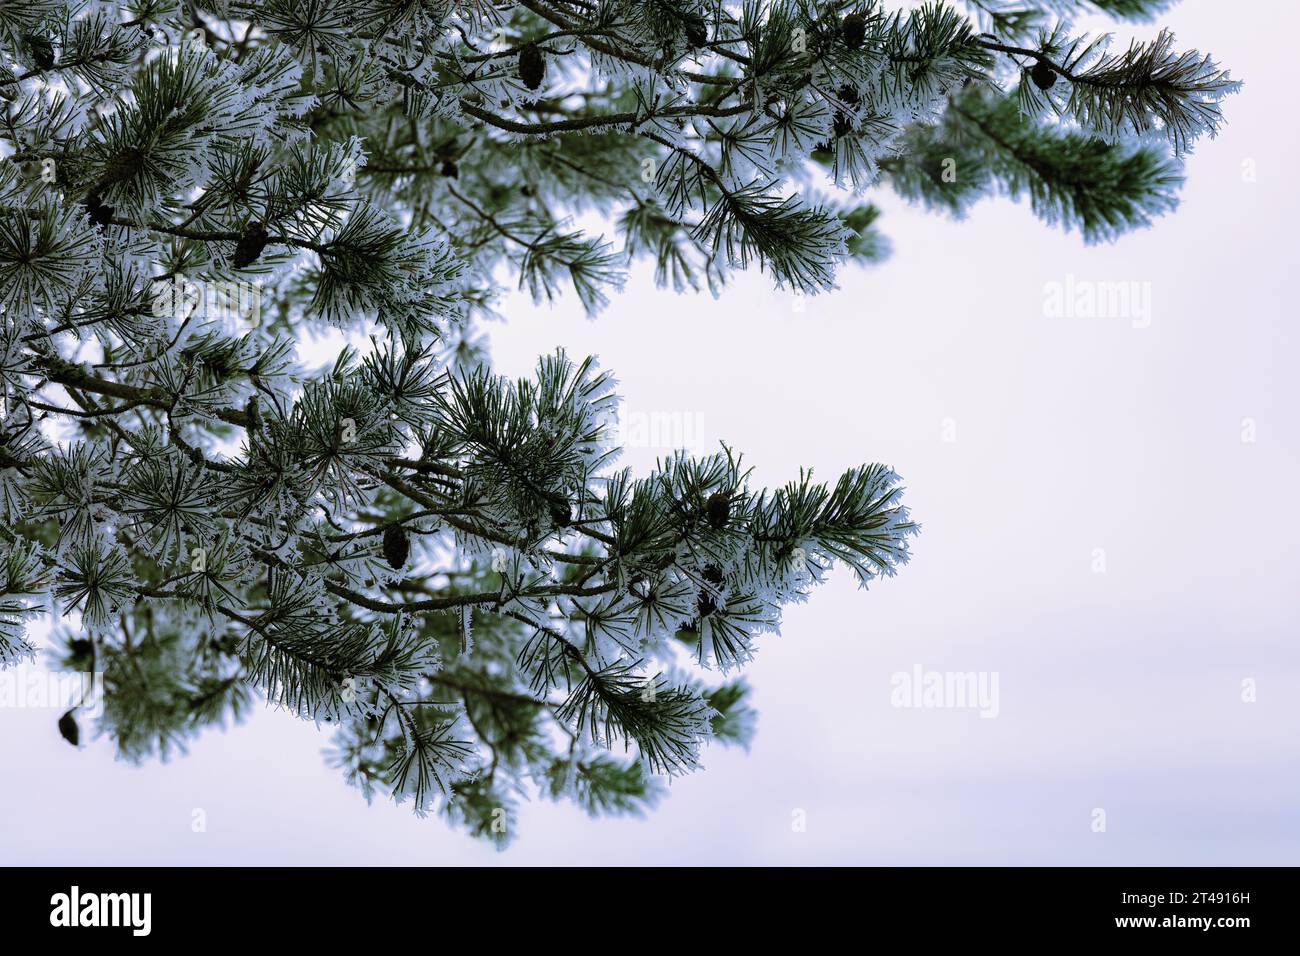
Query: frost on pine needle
{"x":441,"y":563}
{"x":1149,"y":90}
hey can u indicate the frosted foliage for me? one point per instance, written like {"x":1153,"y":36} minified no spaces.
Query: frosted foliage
{"x":445,"y":565}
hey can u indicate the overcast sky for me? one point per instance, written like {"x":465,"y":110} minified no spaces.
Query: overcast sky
{"x":1034,"y":448}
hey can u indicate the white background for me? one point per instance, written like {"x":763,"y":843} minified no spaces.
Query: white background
{"x":1119,"y":691}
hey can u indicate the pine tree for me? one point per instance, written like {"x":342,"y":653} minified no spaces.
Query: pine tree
{"x":440,"y":562}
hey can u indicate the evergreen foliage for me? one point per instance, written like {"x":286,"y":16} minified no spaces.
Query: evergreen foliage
{"x":442,"y":563}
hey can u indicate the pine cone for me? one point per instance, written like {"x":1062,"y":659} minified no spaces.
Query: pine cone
{"x":250,"y":246}
{"x":397,"y":546}
{"x":69,"y":729}
{"x":100,"y":213}
{"x":122,"y":166}
{"x":718,"y":509}
{"x":1042,"y":75}
{"x":561,"y":512}
{"x":697,"y":31}
{"x":80,"y":653}
{"x":706,"y":604}
{"x":41,"y":51}
{"x":854,"y":30}
{"x":532,"y":66}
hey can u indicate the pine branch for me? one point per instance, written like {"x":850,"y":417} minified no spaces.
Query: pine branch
{"x":440,"y":562}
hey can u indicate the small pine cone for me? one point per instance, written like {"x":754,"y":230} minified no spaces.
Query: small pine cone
{"x":123,"y":165}
{"x":250,"y":246}
{"x":41,"y":50}
{"x":718,"y":509}
{"x":397,"y":546}
{"x":561,"y":512}
{"x":706,"y":604}
{"x":854,"y":30}
{"x":69,"y":729}
{"x":532,"y":66}
{"x":697,"y":32}
{"x":1042,"y":75}
{"x":100,"y":213}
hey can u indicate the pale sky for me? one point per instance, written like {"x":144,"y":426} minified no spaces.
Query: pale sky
{"x":1119,"y":691}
